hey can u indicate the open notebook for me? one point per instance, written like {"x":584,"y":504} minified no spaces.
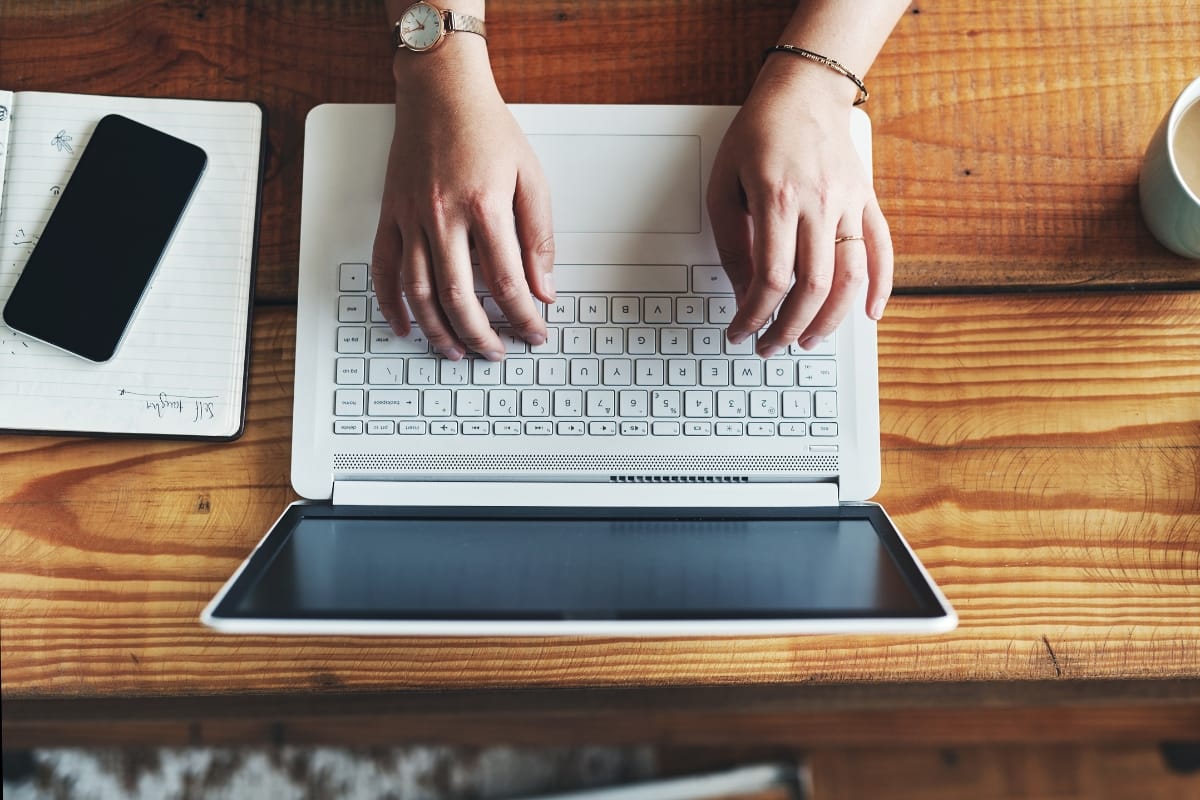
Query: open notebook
{"x":182,"y":368}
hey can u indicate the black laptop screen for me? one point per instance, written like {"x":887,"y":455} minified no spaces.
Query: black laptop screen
{"x":369,"y":563}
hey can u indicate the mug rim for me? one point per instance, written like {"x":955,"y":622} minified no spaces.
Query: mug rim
{"x":1189,"y":97}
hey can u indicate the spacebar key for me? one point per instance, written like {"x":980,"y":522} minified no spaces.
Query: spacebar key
{"x":613,"y":278}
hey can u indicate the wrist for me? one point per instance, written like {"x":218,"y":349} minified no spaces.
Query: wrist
{"x":459,"y":60}
{"x":814,"y":83}
{"x":430,"y":38}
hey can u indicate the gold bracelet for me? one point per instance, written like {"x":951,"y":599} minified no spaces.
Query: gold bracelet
{"x":863,"y":94}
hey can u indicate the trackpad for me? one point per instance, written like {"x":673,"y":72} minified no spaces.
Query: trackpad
{"x":604,"y":183}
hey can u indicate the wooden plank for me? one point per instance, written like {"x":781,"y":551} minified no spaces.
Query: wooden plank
{"x":1037,"y":772}
{"x":784,"y":716}
{"x":1007,"y":137}
{"x":1039,"y":453}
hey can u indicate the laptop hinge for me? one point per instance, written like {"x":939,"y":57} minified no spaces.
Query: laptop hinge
{"x":541,"y":494}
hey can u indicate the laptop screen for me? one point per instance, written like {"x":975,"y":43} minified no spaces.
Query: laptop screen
{"x":367,"y":563}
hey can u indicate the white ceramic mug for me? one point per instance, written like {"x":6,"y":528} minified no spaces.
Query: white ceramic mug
{"x":1169,"y":186}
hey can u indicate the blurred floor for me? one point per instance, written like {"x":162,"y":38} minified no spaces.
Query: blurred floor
{"x":1047,"y":772}
{"x":419,"y":773}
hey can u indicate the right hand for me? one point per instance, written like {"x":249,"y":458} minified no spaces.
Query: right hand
{"x":460,"y":174}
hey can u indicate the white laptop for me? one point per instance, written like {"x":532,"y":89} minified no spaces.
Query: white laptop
{"x":635,"y":475}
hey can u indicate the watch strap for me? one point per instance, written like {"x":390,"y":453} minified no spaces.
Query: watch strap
{"x":456,"y":21}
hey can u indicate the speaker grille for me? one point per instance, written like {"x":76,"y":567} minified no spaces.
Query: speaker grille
{"x":699,"y":468}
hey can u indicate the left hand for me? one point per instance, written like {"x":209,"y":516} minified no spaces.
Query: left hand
{"x":786,"y":183}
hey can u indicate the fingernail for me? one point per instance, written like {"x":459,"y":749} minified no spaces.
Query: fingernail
{"x":811,"y":342}
{"x":771,"y":351}
{"x":548,"y":285}
{"x":452,"y":353}
{"x":877,"y":309}
{"x":396,"y":329}
{"x":535,"y":339}
{"x":494,"y":355}
{"x":737,"y":337}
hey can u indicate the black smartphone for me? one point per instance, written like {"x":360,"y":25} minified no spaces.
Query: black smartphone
{"x":90,"y":267}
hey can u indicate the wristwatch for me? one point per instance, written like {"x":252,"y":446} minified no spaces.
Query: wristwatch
{"x":422,"y":27}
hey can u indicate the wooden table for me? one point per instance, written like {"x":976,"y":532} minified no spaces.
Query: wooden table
{"x":1040,"y":448}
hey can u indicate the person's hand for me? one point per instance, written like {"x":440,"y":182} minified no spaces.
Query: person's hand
{"x":461,"y":174}
{"x":786,"y":185}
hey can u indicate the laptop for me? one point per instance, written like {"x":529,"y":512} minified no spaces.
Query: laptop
{"x":636,"y":475}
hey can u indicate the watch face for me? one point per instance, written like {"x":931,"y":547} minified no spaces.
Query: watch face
{"x":421,"y":27}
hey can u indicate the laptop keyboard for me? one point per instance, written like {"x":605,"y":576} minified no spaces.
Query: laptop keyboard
{"x":630,"y":352}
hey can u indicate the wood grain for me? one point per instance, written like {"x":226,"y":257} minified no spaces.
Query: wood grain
{"x":1007,"y":136}
{"x":1040,"y":453}
{"x":1064,"y":772}
{"x":795,"y":715}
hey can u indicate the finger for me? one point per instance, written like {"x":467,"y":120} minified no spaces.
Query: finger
{"x":416,"y":275}
{"x":849,"y":274}
{"x":880,"y":259}
{"x":385,"y":267}
{"x":535,"y":231}
{"x":774,"y":254}
{"x":732,"y":232}
{"x":500,"y":259}
{"x":814,"y":275}
{"x":454,"y":279}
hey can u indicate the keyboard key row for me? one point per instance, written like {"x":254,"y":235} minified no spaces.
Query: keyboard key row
{"x":592,"y":311}
{"x":628,"y":310}
{"x":567,"y":341}
{"x":593,"y":403}
{"x":352,"y":340}
{"x":778,"y":373}
{"x":420,"y":427}
{"x":638,"y":279}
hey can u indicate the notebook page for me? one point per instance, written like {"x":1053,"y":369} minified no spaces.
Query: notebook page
{"x":6,"y":99}
{"x":181,"y":367}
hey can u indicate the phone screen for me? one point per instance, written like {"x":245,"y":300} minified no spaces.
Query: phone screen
{"x":105,"y":237}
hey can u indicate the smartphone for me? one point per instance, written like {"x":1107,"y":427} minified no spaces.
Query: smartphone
{"x":100,"y":247}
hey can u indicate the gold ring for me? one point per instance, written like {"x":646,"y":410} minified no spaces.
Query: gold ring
{"x":841,"y":239}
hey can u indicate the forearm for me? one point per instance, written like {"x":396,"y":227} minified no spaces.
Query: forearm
{"x":850,"y":33}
